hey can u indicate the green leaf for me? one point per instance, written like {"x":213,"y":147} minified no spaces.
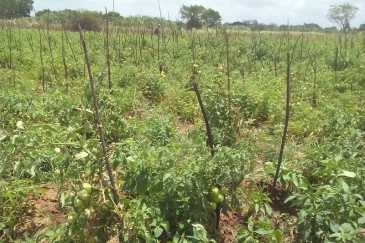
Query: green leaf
{"x":50,"y":233}
{"x":158,"y":232}
{"x":222,"y":178}
{"x":81,"y":155}
{"x":345,"y":187}
{"x":141,"y":185}
{"x":249,"y":239}
{"x":262,"y":231}
{"x":166,"y":176}
{"x":361,"y":220}
{"x":346,"y":227}
{"x":347,"y":174}
{"x":334,"y":227}
{"x":277,"y":235}
{"x":36,"y":193}
{"x":166,"y":226}
{"x":338,"y":158}
{"x":3,"y":138}
{"x":289,"y":198}
{"x":31,"y":170}
{"x":268,"y":209}
{"x":148,"y":237}
{"x":257,"y":206}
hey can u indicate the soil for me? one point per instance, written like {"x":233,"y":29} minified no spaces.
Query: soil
{"x":43,"y":214}
{"x":185,"y":128}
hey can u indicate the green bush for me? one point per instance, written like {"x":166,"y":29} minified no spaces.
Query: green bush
{"x":88,"y":20}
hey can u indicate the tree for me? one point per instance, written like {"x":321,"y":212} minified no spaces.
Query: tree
{"x":211,"y":17}
{"x":110,"y":16}
{"x":10,"y":9}
{"x":342,"y":15}
{"x":193,"y":15}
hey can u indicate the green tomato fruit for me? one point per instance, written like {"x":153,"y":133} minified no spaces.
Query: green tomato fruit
{"x":213,"y":206}
{"x":57,"y":172}
{"x":78,"y":203}
{"x":220,"y":198}
{"x":215,"y":192}
{"x":83,"y":195}
{"x":90,"y":239}
{"x":57,"y":150}
{"x":87,"y":187}
{"x":70,"y":219}
{"x":180,"y":194}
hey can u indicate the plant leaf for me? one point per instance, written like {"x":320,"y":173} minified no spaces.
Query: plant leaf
{"x":361,"y":220}
{"x":81,"y":155}
{"x":347,"y":174}
{"x":158,"y":232}
{"x":345,"y":187}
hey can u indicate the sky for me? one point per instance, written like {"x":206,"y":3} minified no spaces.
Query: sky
{"x":264,"y":11}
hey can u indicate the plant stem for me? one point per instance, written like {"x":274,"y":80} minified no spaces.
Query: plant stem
{"x":98,"y":122}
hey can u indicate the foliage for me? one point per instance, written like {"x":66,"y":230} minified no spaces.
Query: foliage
{"x":211,"y":17}
{"x":342,"y":15}
{"x":88,"y":21}
{"x":193,"y":15}
{"x":11,"y":9}
{"x":13,"y":202}
{"x":156,"y":137}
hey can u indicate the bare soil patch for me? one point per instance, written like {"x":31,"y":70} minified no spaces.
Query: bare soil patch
{"x":43,"y":214}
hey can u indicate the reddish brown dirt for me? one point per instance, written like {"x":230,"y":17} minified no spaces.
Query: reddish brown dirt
{"x":228,"y":227}
{"x":44,"y":213}
{"x":184,"y":128}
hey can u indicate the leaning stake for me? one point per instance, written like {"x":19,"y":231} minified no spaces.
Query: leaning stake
{"x":286,"y":116}
{"x":98,"y":123}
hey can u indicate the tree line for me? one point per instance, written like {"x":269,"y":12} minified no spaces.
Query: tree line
{"x":193,"y":16}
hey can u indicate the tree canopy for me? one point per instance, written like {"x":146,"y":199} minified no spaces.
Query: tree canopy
{"x":211,"y":17}
{"x":342,"y":15}
{"x":10,"y":9}
{"x":197,"y":15}
{"x":193,"y":15}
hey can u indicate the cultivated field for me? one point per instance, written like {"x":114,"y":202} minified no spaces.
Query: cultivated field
{"x":172,"y":183}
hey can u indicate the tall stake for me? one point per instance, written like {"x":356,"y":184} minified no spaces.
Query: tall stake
{"x":286,"y":116}
{"x":228,"y":82}
{"x":107,"y":50}
{"x":98,"y":122}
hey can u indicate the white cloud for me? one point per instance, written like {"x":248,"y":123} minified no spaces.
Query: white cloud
{"x":264,"y":11}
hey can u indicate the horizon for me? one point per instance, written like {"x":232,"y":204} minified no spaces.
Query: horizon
{"x":264,"y":11}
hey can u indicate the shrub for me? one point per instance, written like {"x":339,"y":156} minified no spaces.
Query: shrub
{"x":87,"y":19}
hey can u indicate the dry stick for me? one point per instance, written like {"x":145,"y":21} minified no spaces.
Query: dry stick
{"x":301,"y":45}
{"x":97,"y":117}
{"x":286,"y":116}
{"x":63,"y":58}
{"x":276,"y":58}
{"x":314,"y":65}
{"x":30,"y":41}
{"x":19,"y":45}
{"x":295,"y":45}
{"x":210,"y":138}
{"x":228,"y":82}
{"x":107,"y":49}
{"x":50,"y":48}
{"x":67,"y":39}
{"x":163,"y":41}
{"x":41,"y":56}
{"x":335,"y":62}
{"x":207,"y":126}
{"x":10,"y":52}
